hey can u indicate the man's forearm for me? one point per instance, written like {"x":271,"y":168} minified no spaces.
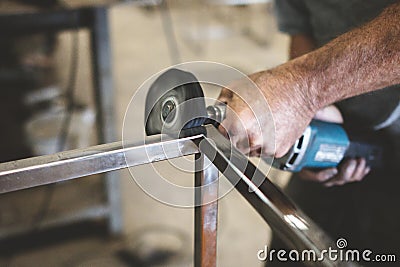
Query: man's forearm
{"x":363,"y":60}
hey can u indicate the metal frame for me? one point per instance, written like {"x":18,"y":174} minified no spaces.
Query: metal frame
{"x":94,"y":19}
{"x":285,"y":219}
{"x":205,"y":215}
{"x":104,"y":98}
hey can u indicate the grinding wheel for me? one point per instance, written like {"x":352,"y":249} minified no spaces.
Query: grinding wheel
{"x":175,"y":101}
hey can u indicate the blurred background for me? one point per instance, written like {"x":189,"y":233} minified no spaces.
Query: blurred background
{"x":61,"y":79}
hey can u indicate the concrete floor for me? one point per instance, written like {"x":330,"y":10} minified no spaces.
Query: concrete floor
{"x":242,"y":37}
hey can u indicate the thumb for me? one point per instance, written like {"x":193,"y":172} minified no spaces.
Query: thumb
{"x":329,"y":114}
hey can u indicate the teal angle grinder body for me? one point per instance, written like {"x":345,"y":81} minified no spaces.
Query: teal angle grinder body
{"x":175,"y":103}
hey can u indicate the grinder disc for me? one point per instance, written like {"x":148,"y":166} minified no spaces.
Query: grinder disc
{"x":175,"y":101}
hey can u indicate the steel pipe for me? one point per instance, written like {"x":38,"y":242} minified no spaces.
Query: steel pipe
{"x":36,"y":171}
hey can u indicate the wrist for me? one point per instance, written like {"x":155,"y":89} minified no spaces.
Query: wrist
{"x":290,"y":88}
{"x":314,"y":86}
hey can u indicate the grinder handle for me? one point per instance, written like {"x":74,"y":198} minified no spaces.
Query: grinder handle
{"x":322,"y":145}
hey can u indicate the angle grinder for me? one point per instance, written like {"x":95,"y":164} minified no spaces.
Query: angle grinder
{"x":175,"y":102}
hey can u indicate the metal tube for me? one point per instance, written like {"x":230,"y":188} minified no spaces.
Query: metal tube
{"x":206,"y":215}
{"x":286,"y":220}
{"x":104,"y":99}
{"x":31,"y":172}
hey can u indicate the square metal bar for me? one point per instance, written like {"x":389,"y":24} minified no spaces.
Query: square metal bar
{"x":283,"y":216}
{"x":104,"y":99}
{"x":206,"y":212}
{"x":62,"y":166}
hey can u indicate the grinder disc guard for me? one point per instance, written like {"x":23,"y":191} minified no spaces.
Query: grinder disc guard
{"x":175,"y":101}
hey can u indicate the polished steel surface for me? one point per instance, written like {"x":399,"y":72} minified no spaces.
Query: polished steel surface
{"x":286,"y":220}
{"x":31,"y":172}
{"x":206,"y":215}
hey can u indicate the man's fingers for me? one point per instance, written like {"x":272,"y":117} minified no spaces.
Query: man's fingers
{"x":321,"y":176}
{"x":223,"y":131}
{"x":348,"y":170}
{"x":255,"y":152}
{"x":353,"y":170}
{"x":345,"y":173}
{"x":225,"y":95}
{"x":359,"y":171}
{"x":367,"y":170}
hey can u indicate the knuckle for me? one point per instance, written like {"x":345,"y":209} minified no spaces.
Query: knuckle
{"x":340,"y":182}
{"x":322,"y":177}
{"x":347,"y":174}
{"x":359,"y":178}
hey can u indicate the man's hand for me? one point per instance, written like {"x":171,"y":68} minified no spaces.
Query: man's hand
{"x":267,"y":120}
{"x":351,"y":170}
